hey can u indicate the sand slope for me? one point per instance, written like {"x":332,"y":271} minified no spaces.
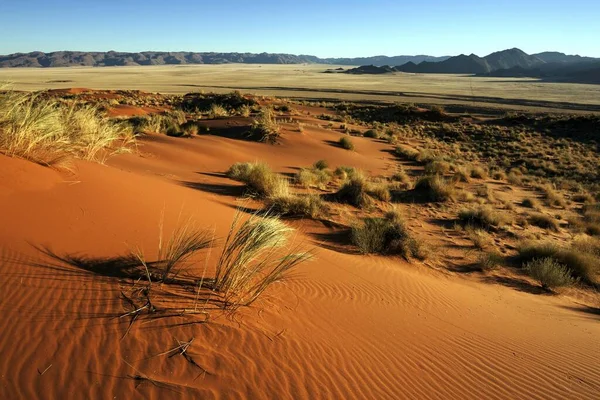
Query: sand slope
{"x":345,"y":326}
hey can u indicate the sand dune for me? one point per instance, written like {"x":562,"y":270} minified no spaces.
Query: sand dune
{"x":345,"y":326}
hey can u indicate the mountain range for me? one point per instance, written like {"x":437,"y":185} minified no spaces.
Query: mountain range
{"x":506,"y":63}
{"x":112,"y":58}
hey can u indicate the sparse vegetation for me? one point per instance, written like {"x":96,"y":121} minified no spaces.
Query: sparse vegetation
{"x":549,"y":273}
{"x":544,"y":221}
{"x":265,"y":126}
{"x":46,"y":132}
{"x":260,"y":179}
{"x":346,"y":143}
{"x":387,"y":235}
{"x":484,"y":217}
{"x":436,"y":188}
{"x":582,"y":265}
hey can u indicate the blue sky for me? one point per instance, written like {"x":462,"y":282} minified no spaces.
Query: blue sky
{"x":340,"y":28}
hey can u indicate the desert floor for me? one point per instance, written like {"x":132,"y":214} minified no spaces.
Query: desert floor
{"x":344,"y":326}
{"x":309,"y":81}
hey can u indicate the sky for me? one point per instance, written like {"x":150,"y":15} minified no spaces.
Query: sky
{"x":325,"y":28}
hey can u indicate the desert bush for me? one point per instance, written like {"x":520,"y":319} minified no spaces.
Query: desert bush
{"x":437,"y":167}
{"x":584,"y":266}
{"x":346,"y":143}
{"x":354,"y":191}
{"x":248,"y":264}
{"x":515,"y":179}
{"x":552,"y":197}
{"x":344,"y":172}
{"x":544,"y":221}
{"x":46,"y":132}
{"x":498,"y":175}
{"x":217,"y":111}
{"x":265,"y":126}
{"x":371,"y":133}
{"x":402,"y":177}
{"x":461,"y":174}
{"x":531,"y":203}
{"x":309,"y":205}
{"x":379,"y":191}
{"x":478,"y":172}
{"x":549,"y":273}
{"x":321,"y":164}
{"x":436,"y":188}
{"x":313,"y":177}
{"x":407,"y":153}
{"x":483,"y":217}
{"x":386,"y":236}
{"x":480,"y":237}
{"x":260,"y":179}
{"x":489,"y":261}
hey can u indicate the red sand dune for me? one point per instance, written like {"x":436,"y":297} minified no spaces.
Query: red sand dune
{"x":346,"y":326}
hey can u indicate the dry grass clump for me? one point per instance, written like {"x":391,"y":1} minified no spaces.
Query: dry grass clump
{"x":387,"y":235}
{"x":407,"y":153}
{"x":461,"y":174}
{"x":437,"y":167}
{"x":314,"y":177}
{"x":321,"y":164}
{"x":549,"y":272}
{"x":489,"y":261}
{"x":354,"y":191}
{"x":552,"y":197}
{"x":260,"y":179}
{"x":531,"y":203}
{"x":358,"y":191}
{"x":401,"y":177}
{"x":544,"y":221}
{"x":480,"y":237}
{"x":591,"y":218}
{"x":249,"y":264}
{"x":217,"y":111}
{"x":498,"y":175}
{"x":484,"y":217}
{"x":371,"y":133}
{"x":344,"y":172}
{"x":436,"y":188}
{"x":303,"y":205}
{"x":346,"y":143}
{"x":47,"y":132}
{"x":265,"y":126}
{"x":478,"y":172}
{"x":581,"y":264}
{"x":174,"y":253}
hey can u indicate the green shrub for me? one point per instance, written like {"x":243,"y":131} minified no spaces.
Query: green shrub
{"x":371,"y":133}
{"x":321,"y":164}
{"x":582,"y":265}
{"x":346,"y":143}
{"x":386,"y":236}
{"x":549,"y":272}
{"x":354,"y":191}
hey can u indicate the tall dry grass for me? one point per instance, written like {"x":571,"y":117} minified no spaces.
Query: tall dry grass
{"x":48,"y":132}
{"x":250,"y":261}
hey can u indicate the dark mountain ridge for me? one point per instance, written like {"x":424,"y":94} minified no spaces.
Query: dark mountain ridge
{"x":113,"y":58}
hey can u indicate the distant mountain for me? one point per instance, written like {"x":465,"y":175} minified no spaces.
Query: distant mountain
{"x":556,"y":57}
{"x":473,"y":64}
{"x":371,"y":70}
{"x":380,"y":61}
{"x":581,"y":72}
{"x":112,"y":58}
